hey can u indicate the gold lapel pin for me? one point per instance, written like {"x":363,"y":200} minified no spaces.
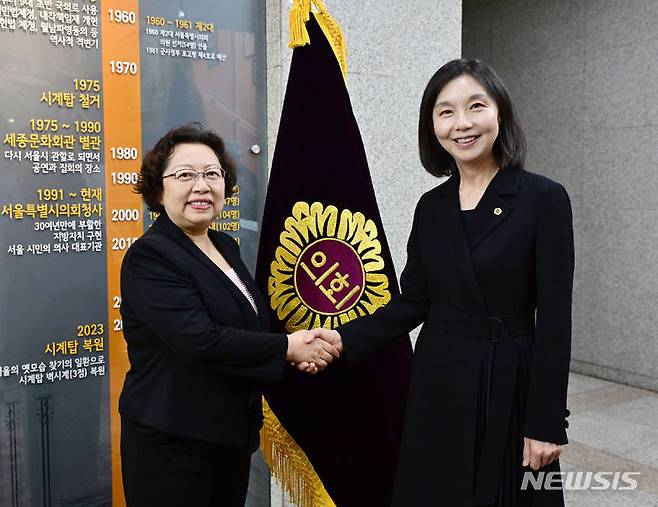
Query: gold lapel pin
{"x":497,"y":211}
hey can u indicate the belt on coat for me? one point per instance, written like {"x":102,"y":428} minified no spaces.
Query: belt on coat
{"x":500,"y":387}
{"x":493,"y":327}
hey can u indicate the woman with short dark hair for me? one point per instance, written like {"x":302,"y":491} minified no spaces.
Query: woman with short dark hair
{"x":150,"y":183}
{"x":509,"y":147}
{"x":196,"y":329}
{"x":489,"y":275}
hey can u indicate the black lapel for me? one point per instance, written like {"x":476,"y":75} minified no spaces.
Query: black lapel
{"x":448,"y":210}
{"x":493,"y":210}
{"x":174,"y":232}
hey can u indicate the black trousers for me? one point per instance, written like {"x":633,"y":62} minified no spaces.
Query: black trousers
{"x":163,"y":470}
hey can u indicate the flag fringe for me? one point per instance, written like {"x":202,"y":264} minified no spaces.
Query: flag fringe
{"x":290,"y":465}
{"x":334,"y":35}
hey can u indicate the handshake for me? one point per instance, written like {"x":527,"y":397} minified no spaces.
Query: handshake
{"x":312,"y":351}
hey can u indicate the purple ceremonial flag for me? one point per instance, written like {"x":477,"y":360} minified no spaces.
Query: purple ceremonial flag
{"x":324,"y":260}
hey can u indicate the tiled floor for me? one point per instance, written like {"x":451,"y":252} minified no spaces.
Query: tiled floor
{"x":612,"y":428}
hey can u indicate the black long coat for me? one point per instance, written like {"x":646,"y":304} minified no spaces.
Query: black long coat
{"x":496,"y":333}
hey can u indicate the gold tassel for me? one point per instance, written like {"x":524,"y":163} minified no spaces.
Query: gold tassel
{"x":290,"y":465}
{"x":299,"y":15}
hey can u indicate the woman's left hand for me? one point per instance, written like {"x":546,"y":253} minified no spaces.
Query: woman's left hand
{"x":538,"y":454}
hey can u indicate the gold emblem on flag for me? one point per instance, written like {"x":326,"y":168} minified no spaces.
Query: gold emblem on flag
{"x":327,"y":269}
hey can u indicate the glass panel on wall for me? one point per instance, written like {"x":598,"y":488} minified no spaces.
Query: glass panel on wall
{"x":87,"y":87}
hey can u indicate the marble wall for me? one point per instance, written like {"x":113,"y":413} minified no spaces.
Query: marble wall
{"x":584,"y":79}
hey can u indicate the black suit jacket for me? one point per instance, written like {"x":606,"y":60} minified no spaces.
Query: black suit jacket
{"x":198,"y":352}
{"x":517,"y":268}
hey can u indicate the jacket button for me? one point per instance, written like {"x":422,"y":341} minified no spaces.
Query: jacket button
{"x":497,"y":211}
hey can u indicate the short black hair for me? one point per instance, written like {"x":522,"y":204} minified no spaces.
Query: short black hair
{"x":149,"y":183}
{"x":509,"y":147}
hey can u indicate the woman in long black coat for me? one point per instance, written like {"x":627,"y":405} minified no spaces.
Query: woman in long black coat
{"x":489,"y":274}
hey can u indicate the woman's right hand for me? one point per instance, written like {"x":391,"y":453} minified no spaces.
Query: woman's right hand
{"x":537,"y":454}
{"x":307,"y":347}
